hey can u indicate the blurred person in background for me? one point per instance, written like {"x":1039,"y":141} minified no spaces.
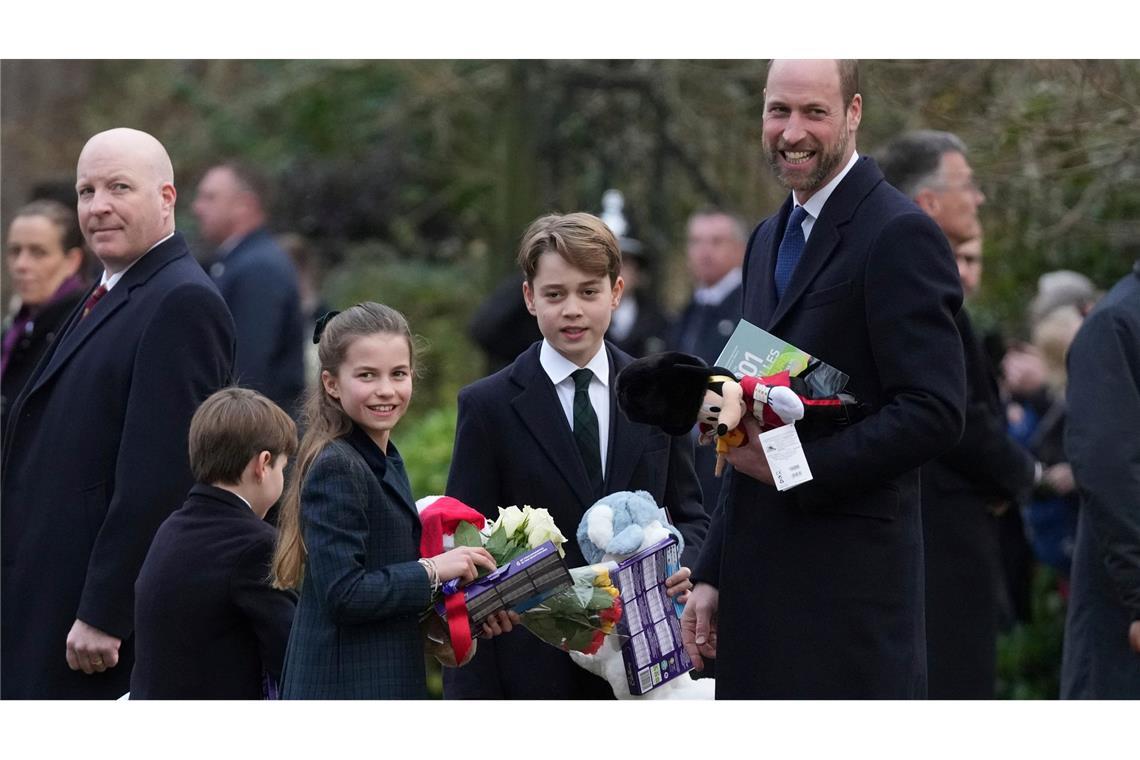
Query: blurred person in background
{"x":313,"y":304}
{"x":714,"y":249}
{"x":1051,"y":517}
{"x":258,"y":281}
{"x":987,"y":470}
{"x":45,"y":261}
{"x":639,"y":326}
{"x":1028,"y":401}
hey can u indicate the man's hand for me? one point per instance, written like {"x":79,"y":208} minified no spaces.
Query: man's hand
{"x":91,"y":650}
{"x":698,"y":624}
{"x":749,"y":459}
{"x":678,"y":585}
{"x":1134,"y":636}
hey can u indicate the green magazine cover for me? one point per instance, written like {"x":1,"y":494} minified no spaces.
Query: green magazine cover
{"x":757,"y":353}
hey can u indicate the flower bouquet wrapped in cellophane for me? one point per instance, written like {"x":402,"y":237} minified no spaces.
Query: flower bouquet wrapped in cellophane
{"x":578,"y":618}
{"x":448,"y":523}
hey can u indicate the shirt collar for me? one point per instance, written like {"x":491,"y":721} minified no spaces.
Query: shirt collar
{"x":558,"y":367}
{"x":715,"y":294}
{"x":111,"y":280}
{"x":815,"y":203}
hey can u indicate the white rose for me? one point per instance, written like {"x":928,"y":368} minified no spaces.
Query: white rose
{"x":541,"y":528}
{"x":509,"y":519}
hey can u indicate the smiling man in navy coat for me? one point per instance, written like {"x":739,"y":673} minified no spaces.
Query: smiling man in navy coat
{"x":95,"y":451}
{"x":817,"y":591}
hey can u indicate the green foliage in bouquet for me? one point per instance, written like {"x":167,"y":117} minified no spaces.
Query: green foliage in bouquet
{"x":579,"y":617}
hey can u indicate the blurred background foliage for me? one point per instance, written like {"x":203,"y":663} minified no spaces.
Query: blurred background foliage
{"x":413,"y":180}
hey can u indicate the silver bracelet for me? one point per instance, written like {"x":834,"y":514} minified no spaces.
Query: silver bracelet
{"x":433,"y":573}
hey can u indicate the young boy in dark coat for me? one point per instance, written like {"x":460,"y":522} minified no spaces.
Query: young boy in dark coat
{"x":208,"y":625}
{"x":547,"y":431}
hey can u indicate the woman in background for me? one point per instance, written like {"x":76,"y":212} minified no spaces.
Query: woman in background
{"x":45,"y":262}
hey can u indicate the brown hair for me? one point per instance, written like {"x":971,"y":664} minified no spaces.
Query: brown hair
{"x":233,"y":426}
{"x":61,"y":216}
{"x":848,"y":79}
{"x":324,"y":420}
{"x":582,"y":240}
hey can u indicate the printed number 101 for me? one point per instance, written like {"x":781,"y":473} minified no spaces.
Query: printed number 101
{"x":755,"y":366}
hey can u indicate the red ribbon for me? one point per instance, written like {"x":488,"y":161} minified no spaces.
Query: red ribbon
{"x":443,"y":517}
{"x":458,"y":624}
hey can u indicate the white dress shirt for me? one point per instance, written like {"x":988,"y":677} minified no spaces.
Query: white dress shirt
{"x":814,"y":206}
{"x":558,"y":368}
{"x":111,"y":280}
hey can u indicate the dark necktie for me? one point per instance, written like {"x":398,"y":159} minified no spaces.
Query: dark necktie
{"x":790,"y":249}
{"x":586,"y":427}
{"x":93,"y":299}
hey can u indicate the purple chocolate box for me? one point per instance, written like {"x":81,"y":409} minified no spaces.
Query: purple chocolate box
{"x":650,"y":628}
{"x":519,"y":585}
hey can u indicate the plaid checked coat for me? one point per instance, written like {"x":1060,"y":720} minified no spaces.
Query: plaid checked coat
{"x":356,"y":634}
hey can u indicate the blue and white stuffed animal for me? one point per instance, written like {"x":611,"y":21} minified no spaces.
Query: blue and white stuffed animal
{"x":622,"y":524}
{"x":615,"y":528}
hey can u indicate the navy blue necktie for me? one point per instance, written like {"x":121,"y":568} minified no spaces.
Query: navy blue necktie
{"x":790,"y":249}
{"x":586,"y":427}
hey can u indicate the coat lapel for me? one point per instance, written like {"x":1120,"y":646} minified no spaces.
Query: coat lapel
{"x":79,"y":330}
{"x":625,"y":442}
{"x":825,"y":234}
{"x":538,"y":407}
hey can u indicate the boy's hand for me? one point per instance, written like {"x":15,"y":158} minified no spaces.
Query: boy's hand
{"x":678,"y":585}
{"x":500,"y":622}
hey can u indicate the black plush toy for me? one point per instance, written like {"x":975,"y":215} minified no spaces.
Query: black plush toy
{"x":674,"y":391}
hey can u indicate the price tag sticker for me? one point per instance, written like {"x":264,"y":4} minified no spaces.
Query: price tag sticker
{"x":785,"y":457}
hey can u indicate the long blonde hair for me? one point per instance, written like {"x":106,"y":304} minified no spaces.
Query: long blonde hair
{"x":324,"y":420}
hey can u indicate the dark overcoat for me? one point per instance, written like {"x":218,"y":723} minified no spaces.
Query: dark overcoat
{"x":1103,"y":446}
{"x":821,"y":586}
{"x":259,"y":283}
{"x":514,"y":446}
{"x":32,"y":345}
{"x":95,"y":458}
{"x":356,"y":634}
{"x":207,"y":623}
{"x":964,"y":576}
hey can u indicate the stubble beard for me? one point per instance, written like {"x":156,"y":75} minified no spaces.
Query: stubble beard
{"x":825,"y":165}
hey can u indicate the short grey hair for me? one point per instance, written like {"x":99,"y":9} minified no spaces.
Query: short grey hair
{"x":912,"y":161}
{"x":739,"y":228}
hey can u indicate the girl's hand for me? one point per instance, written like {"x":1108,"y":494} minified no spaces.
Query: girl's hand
{"x":463,"y":562}
{"x":500,"y":622}
{"x":678,"y":585}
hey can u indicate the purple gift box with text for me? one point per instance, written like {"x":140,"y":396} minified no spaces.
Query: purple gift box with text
{"x":650,"y":627}
{"x":518,"y":585}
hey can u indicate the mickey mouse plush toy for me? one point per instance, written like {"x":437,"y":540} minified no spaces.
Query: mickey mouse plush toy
{"x":673,"y":391}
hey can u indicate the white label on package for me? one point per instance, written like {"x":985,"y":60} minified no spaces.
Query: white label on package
{"x":785,"y":457}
